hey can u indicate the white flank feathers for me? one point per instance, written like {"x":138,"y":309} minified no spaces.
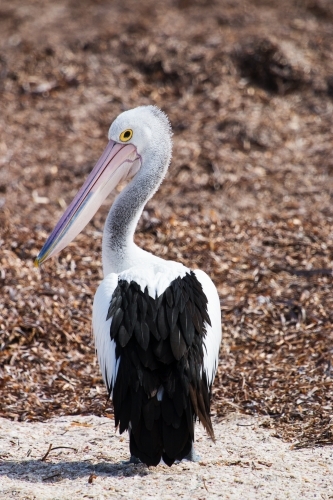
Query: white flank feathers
{"x":105,"y":347}
{"x":212,"y":340}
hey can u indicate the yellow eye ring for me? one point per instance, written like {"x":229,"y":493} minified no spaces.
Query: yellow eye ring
{"x":126,"y":135}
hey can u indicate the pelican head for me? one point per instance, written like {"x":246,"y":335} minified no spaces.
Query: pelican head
{"x":146,"y":127}
{"x":135,"y":138}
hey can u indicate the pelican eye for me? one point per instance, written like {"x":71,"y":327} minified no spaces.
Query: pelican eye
{"x":126,"y":135}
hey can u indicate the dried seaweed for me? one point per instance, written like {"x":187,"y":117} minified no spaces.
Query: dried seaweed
{"x":247,"y":198}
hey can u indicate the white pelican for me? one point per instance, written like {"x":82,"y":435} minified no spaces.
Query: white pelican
{"x":156,"y":323}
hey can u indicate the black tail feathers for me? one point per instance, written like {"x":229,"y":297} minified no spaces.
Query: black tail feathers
{"x":163,"y":441}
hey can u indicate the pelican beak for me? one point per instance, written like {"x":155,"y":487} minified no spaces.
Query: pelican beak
{"x":117,"y":162}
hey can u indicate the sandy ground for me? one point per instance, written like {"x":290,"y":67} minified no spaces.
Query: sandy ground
{"x":247,"y":462}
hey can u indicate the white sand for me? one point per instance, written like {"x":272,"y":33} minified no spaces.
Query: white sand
{"x":246,"y":463}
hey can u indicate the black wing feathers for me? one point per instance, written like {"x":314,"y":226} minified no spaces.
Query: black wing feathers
{"x":177,"y":342}
{"x":161,"y":385}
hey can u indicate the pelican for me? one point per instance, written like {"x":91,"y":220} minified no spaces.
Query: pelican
{"x":156,"y":323}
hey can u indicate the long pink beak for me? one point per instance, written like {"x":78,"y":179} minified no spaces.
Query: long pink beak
{"x":117,"y":162}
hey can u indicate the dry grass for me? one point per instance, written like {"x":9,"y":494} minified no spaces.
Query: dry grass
{"x":248,"y":198}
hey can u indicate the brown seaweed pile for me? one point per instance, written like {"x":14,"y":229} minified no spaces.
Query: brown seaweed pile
{"x":248,"y":88}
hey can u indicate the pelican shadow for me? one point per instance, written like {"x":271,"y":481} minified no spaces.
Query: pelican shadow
{"x":36,"y":471}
